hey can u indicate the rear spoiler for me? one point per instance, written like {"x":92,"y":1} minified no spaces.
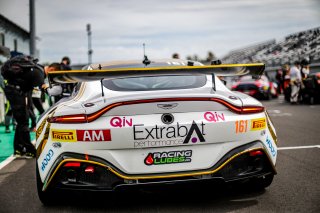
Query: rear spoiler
{"x":73,"y":76}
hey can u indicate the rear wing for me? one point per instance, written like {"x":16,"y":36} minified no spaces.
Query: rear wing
{"x":73,"y":76}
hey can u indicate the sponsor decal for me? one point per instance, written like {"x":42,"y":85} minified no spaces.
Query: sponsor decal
{"x":46,"y":159}
{"x":195,"y":129}
{"x":88,"y":135}
{"x":120,"y":122}
{"x":271,"y":148}
{"x":64,"y":135}
{"x":258,"y":124}
{"x":167,"y":135}
{"x":171,"y":157}
{"x":157,"y":143}
{"x":40,"y":128}
{"x":94,"y":135}
{"x":214,"y":116}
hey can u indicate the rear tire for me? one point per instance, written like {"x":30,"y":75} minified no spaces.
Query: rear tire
{"x":46,"y":197}
{"x":312,"y":100}
{"x":262,"y":182}
{"x":269,"y":95}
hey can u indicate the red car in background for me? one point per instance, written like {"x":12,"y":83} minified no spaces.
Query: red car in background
{"x":258,"y":88}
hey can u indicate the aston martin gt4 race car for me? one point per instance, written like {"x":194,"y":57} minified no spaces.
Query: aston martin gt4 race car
{"x":132,"y":124}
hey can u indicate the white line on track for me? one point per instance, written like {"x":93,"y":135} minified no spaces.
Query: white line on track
{"x":11,"y":158}
{"x":7,"y":161}
{"x":299,"y":147}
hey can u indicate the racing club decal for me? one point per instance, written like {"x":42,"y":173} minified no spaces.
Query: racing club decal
{"x":258,"y":124}
{"x":160,"y":158}
{"x":167,"y":135}
{"x":87,"y":135}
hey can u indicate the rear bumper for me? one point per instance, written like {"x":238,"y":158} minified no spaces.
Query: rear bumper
{"x":244,"y":162}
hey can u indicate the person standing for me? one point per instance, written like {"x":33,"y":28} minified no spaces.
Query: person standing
{"x":279,"y":79}
{"x":65,"y":63}
{"x":175,"y":56}
{"x":295,"y":82}
{"x":22,"y":74}
{"x":66,"y":88}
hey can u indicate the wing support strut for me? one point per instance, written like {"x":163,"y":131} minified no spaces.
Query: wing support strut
{"x":102,"y":92}
{"x":213,"y":82}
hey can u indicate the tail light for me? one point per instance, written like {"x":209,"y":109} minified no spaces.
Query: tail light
{"x":255,"y":153}
{"x":89,"y":169}
{"x":72,"y":164}
{"x":83,"y":118}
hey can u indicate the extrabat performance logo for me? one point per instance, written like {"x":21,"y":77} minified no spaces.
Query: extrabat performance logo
{"x":171,"y":157}
{"x":166,"y":136}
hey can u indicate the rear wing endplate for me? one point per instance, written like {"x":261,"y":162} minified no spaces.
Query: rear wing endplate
{"x":73,"y":76}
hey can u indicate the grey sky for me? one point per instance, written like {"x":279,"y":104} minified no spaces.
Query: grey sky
{"x":185,"y":26}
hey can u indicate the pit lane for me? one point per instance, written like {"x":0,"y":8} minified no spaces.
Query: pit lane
{"x":295,"y":188}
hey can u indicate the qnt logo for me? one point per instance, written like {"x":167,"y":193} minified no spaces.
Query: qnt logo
{"x":94,"y":135}
{"x":64,"y":135}
{"x":120,"y":122}
{"x":171,"y":157}
{"x":214,"y":117}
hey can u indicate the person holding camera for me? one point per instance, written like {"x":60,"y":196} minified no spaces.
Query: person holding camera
{"x":22,"y":74}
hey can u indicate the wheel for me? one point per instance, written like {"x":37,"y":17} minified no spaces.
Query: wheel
{"x":262,"y":182}
{"x":46,"y":197}
{"x":268,"y":95}
{"x":312,"y":101}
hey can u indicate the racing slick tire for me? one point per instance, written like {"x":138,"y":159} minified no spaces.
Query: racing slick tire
{"x":46,"y":197}
{"x":262,"y":182}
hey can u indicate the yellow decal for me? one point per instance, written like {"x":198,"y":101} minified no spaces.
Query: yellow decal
{"x":64,"y":135}
{"x":258,"y":124}
{"x":40,"y":128}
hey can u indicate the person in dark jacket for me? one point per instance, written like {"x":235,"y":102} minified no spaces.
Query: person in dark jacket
{"x":65,"y":63}
{"x":22,"y":74}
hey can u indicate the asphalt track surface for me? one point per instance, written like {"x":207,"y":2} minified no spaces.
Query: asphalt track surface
{"x":296,"y":187}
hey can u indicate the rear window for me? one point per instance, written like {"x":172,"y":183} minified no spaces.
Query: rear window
{"x":172,"y":82}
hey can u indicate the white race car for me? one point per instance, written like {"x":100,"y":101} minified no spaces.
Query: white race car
{"x":132,"y":123}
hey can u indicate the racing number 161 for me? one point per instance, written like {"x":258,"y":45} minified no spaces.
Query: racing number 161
{"x":241,"y":126}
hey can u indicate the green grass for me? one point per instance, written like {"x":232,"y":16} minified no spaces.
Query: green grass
{"x":6,"y":142}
